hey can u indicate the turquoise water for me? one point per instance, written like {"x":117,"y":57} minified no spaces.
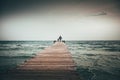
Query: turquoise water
{"x":96,"y":60}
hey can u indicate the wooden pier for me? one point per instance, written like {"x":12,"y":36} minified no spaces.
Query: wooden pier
{"x":53,"y":63}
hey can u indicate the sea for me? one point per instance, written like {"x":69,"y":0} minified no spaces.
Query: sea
{"x":95,"y":60}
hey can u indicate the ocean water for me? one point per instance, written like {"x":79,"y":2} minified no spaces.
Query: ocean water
{"x":14,"y":53}
{"x":95,"y":60}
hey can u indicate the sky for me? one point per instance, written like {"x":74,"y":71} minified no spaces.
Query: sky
{"x":48,"y":19}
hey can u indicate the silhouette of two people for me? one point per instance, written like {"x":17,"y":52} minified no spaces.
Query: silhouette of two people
{"x":60,"y":38}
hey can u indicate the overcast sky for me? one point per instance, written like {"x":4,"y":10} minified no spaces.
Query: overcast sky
{"x":73,"y":19}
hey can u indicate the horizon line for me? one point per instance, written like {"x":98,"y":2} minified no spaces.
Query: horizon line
{"x":65,"y":40}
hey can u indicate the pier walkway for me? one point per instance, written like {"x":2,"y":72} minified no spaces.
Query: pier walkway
{"x":53,"y":63}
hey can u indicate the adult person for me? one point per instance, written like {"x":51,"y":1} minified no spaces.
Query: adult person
{"x":60,"y":38}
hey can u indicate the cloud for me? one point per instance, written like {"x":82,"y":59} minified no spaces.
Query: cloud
{"x":102,"y":13}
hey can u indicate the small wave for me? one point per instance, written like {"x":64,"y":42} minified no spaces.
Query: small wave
{"x":41,"y":47}
{"x":18,"y":45}
{"x":89,"y":54}
{"x":6,"y":57}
